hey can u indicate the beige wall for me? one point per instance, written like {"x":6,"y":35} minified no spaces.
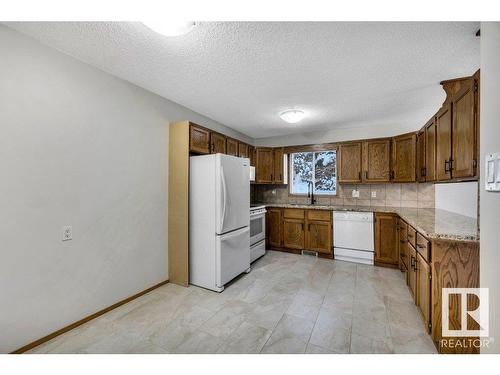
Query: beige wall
{"x":489,"y":201}
{"x":387,"y":195}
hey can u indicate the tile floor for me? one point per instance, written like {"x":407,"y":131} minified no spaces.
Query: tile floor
{"x":287,"y":304}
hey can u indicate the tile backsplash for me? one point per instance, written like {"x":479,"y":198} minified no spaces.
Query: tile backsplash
{"x":381,"y":195}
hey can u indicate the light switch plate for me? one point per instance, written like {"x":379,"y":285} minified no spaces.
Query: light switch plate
{"x":67,"y":233}
{"x":355,"y":193}
{"x":374,"y":194}
{"x":492,"y":175}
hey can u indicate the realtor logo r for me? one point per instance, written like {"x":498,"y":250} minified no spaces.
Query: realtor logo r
{"x":480,"y":314}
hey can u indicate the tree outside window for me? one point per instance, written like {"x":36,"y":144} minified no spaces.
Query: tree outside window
{"x":320,"y":168}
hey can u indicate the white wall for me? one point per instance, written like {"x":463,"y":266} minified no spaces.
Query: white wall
{"x":77,"y":147}
{"x":460,"y":198}
{"x":490,"y":202}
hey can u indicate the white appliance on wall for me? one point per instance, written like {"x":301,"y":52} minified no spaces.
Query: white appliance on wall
{"x":353,"y":237}
{"x":257,"y":231}
{"x":219,"y":233}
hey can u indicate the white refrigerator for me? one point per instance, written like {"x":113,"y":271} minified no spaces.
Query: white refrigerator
{"x":219,"y":220}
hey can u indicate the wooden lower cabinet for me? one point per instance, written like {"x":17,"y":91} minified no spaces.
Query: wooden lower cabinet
{"x":274,"y":227}
{"x":299,"y":230}
{"x":386,"y":240}
{"x":402,"y":241}
{"x":319,"y":236}
{"x":412,"y":274}
{"x":423,"y":290}
{"x":293,"y":234}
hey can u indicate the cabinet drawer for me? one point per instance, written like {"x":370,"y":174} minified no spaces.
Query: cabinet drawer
{"x":423,"y":247}
{"x":319,"y":215}
{"x":293,"y":213}
{"x":412,"y":236}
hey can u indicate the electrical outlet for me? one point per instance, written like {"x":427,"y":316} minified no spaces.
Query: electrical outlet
{"x":355,"y":193}
{"x":273,"y":192}
{"x":374,"y":194}
{"x":67,"y":233}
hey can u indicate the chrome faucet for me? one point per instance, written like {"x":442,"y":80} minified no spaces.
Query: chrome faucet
{"x":310,"y":192}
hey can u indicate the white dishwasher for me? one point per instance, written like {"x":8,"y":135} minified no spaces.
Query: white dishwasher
{"x":353,"y":238}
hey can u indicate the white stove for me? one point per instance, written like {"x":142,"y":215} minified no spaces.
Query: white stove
{"x":257,"y":231}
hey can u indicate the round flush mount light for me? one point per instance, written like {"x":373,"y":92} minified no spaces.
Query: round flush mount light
{"x":170,"y":28}
{"x":292,"y":116}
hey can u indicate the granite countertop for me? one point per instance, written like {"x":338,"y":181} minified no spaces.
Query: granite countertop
{"x":432,"y":223}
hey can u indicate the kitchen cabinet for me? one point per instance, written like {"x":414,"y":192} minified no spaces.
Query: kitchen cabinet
{"x":293,"y":233}
{"x":274,"y":227}
{"x":264,"y":165}
{"x":231,"y":146}
{"x":251,"y":155}
{"x":199,"y":139}
{"x":412,"y":275}
{"x":319,"y":236}
{"x":423,"y":289}
{"x":278,"y":165}
{"x":386,"y":245}
{"x":376,"y":160}
{"x":218,"y":143}
{"x":402,"y":244}
{"x":242,"y":150}
{"x":349,"y":160}
{"x":421,"y":167}
{"x":404,"y":152}
{"x":443,"y":143}
{"x":430,"y":150}
{"x":464,"y":132}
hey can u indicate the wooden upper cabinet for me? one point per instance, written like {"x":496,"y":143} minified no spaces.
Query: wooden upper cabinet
{"x":199,"y":139}
{"x":404,"y":154}
{"x":274,"y":227}
{"x":376,"y":160}
{"x":430,"y":150}
{"x":242,"y":150}
{"x":443,"y":143}
{"x":264,"y":166}
{"x":386,"y":239}
{"x":293,"y":234}
{"x":278,"y":165}
{"x":319,"y":236}
{"x":231,"y":146}
{"x":251,"y":155}
{"x":421,"y":168}
{"x":464,"y":131}
{"x":423,"y":290}
{"x":349,"y":162}
{"x":217,"y":143}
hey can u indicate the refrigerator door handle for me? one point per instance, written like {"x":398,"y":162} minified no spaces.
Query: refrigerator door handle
{"x":224,"y":197}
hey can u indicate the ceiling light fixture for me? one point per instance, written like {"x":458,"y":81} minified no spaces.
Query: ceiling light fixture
{"x":292,"y":116}
{"x":170,"y":28}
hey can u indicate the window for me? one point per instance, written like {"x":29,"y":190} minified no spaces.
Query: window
{"x":320,"y":168}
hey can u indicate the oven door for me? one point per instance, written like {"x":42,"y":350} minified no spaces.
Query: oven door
{"x":257,"y":228}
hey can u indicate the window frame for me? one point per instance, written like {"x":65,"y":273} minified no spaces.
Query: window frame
{"x":290,"y":173}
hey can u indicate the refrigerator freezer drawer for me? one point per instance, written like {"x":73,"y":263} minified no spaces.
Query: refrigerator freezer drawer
{"x":232,"y":255}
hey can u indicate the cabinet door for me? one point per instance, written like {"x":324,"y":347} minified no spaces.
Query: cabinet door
{"x":319,"y":236}
{"x":264,"y":165}
{"x":377,"y":160}
{"x":199,"y":140}
{"x":464,"y":133}
{"x":423,"y":290}
{"x":421,"y":169}
{"x":349,"y":162}
{"x":242,"y":150}
{"x":404,"y":153}
{"x":412,"y":275}
{"x":274,"y":227}
{"x":251,"y":155}
{"x":443,"y":143}
{"x":430,"y":150}
{"x":402,"y":241}
{"x":218,"y":143}
{"x":278,"y":165}
{"x":232,"y":147}
{"x":386,"y":245}
{"x":293,"y":234}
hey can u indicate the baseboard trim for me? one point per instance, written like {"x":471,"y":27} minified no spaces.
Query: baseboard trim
{"x":84,"y":320}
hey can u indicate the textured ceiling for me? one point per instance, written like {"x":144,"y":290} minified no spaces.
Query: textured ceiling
{"x":243,"y":74}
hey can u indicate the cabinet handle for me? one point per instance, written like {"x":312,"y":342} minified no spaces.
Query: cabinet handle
{"x":392,"y":175}
{"x":451,"y":164}
{"x":359,"y":176}
{"x":412,"y":262}
{"x":421,"y":246}
{"x":402,"y":241}
{"x":424,"y":172}
{"x":446,"y":166}
{"x":366,"y":175}
{"x":271,"y":177}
